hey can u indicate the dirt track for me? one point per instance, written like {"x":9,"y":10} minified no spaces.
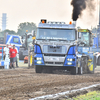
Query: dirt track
{"x":23,"y":83}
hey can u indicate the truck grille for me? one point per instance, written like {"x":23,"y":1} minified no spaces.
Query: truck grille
{"x":54,"y":49}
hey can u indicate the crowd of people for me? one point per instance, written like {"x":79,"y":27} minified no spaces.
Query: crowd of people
{"x":11,"y":51}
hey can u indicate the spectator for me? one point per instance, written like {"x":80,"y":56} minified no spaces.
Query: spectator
{"x":16,"y":55}
{"x":13,"y":59}
{"x":16,"y":59}
{"x":6,"y":51}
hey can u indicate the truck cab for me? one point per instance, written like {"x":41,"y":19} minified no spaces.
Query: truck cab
{"x":60,"y":46}
{"x":14,"y":40}
{"x":55,"y":46}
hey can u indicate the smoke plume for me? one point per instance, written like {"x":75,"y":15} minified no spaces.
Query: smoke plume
{"x":79,"y":6}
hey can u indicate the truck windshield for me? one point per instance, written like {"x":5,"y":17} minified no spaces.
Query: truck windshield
{"x":57,"y":34}
{"x":85,"y":37}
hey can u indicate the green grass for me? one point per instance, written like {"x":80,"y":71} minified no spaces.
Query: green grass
{"x":95,"y":95}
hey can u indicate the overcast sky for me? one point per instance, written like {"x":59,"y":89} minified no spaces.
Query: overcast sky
{"x":19,"y":11}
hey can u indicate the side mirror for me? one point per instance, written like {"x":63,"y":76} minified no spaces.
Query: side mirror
{"x":33,"y":32}
{"x":79,"y":35}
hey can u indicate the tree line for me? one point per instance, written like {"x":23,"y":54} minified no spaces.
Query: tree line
{"x":21,"y":29}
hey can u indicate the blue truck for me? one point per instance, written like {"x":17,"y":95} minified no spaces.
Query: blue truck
{"x":60,"y":46}
{"x":11,"y":40}
{"x":96,"y":48}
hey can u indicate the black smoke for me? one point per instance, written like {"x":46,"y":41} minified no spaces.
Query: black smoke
{"x":78,"y":7}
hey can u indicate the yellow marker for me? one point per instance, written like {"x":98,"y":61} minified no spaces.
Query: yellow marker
{"x":31,"y":59}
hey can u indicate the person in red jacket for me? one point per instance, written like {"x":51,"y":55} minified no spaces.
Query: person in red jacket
{"x":13,"y":59}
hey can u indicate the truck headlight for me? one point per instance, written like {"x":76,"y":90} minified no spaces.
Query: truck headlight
{"x":69,"y":63}
{"x":69,"y":59}
{"x":39,"y":62}
{"x":38,"y":58}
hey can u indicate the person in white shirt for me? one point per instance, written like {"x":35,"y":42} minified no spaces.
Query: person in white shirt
{"x":6,"y":51}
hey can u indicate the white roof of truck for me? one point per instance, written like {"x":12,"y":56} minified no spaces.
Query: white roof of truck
{"x":61,"y":25}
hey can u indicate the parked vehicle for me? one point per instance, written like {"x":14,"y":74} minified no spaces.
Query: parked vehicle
{"x":27,"y":40}
{"x":10,"y":40}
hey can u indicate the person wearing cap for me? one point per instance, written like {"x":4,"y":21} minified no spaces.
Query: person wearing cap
{"x":13,"y":59}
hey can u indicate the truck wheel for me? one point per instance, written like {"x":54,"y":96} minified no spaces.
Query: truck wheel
{"x":48,"y":70}
{"x":98,"y":61}
{"x":74,"y":70}
{"x":38,"y":69}
{"x":21,"y":57}
{"x":85,"y":65}
{"x":80,"y":69}
{"x":94,"y":61}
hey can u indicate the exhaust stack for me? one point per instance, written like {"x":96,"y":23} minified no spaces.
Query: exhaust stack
{"x":74,"y":22}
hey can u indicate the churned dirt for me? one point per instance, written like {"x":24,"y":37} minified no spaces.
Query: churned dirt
{"x":24,"y":83}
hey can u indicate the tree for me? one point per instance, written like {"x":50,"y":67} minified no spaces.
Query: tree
{"x":7,"y":31}
{"x":94,"y":30}
{"x":26,"y":26}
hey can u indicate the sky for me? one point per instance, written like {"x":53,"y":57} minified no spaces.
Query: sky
{"x":19,"y":11}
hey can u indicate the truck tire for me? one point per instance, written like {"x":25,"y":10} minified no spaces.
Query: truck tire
{"x":21,"y":57}
{"x":38,"y":69}
{"x":94,"y":61}
{"x":85,"y":65}
{"x":74,"y":70}
{"x":48,"y":70}
{"x":80,"y":69}
{"x":98,"y":61}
